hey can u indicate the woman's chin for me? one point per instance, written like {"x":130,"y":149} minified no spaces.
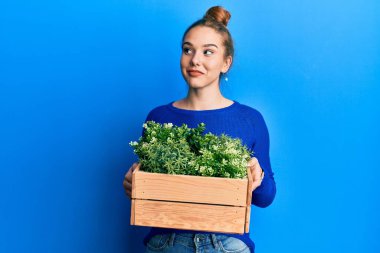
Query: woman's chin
{"x":194,"y":84}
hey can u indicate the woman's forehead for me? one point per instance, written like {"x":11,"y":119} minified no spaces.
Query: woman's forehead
{"x":202,"y":35}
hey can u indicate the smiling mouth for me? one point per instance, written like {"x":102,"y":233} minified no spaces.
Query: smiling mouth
{"x":194,"y":73}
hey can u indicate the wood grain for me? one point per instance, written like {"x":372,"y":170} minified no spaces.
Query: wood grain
{"x":249,"y":200}
{"x":191,"y":202}
{"x":133,"y":212}
{"x":194,"y":189}
{"x":199,"y":217}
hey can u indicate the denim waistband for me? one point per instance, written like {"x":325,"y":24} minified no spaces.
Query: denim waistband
{"x":190,"y":239}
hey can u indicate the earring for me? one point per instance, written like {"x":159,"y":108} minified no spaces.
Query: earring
{"x":225,"y":76}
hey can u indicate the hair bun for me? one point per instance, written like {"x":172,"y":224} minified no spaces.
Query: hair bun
{"x":219,"y":14}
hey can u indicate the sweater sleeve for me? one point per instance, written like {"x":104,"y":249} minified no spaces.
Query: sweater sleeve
{"x":264,"y":195}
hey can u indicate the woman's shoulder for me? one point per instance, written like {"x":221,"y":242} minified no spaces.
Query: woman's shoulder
{"x":159,"y":108}
{"x":249,"y":110}
{"x":156,"y":112}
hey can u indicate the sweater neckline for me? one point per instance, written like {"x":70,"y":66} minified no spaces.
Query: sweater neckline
{"x":223,"y":109}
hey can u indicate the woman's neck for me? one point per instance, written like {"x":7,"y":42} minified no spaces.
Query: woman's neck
{"x":199,"y":100}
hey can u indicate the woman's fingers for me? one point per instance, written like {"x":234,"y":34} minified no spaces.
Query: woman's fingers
{"x":256,"y":171}
{"x":256,"y":183}
{"x":128,"y":175}
{"x":127,"y":187}
{"x":252,"y":162}
{"x":127,"y":183}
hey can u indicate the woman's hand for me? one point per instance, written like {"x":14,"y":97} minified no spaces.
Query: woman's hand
{"x":257,"y":173}
{"x":127,"y":183}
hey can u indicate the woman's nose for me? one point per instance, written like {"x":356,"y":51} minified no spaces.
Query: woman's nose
{"x":196,"y":59}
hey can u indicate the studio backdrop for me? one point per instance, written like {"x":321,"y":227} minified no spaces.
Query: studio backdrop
{"x":77,"y":79}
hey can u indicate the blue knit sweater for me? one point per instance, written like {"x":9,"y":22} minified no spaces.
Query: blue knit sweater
{"x":237,"y":121}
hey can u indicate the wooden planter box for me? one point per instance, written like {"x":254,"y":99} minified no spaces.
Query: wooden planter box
{"x":191,"y":202}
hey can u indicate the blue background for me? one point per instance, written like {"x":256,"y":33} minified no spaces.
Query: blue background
{"x":77,"y":79}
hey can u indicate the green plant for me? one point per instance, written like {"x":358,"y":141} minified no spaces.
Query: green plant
{"x":169,"y":149}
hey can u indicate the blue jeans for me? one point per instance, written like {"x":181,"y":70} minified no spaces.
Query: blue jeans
{"x":200,"y":243}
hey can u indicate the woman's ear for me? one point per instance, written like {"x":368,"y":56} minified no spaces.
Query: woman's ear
{"x":227,"y":64}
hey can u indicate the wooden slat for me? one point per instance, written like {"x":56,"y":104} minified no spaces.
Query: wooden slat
{"x":199,"y":217}
{"x":133,"y":193}
{"x":249,"y":187}
{"x":133,"y":209}
{"x":247,"y":218}
{"x":194,"y":189}
{"x":249,"y":201}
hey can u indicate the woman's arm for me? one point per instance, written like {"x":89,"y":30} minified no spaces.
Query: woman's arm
{"x":264,"y":194}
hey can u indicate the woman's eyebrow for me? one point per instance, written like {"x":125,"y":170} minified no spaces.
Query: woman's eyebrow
{"x":205,"y":45}
{"x":210,"y":45}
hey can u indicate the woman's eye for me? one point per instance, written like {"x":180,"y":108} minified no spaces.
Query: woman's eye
{"x":208,"y":52}
{"x":187,"y":50}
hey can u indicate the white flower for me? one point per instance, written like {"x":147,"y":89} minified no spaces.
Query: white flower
{"x":235,"y":162}
{"x":145,"y":125}
{"x":133,"y":143}
{"x":168,"y":125}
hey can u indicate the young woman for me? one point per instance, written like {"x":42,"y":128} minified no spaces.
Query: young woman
{"x":207,"y":54}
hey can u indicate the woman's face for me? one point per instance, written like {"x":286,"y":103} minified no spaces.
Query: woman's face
{"x":202,"y":58}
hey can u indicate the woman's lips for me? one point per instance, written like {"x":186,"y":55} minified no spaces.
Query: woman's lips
{"x":194,"y":73}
